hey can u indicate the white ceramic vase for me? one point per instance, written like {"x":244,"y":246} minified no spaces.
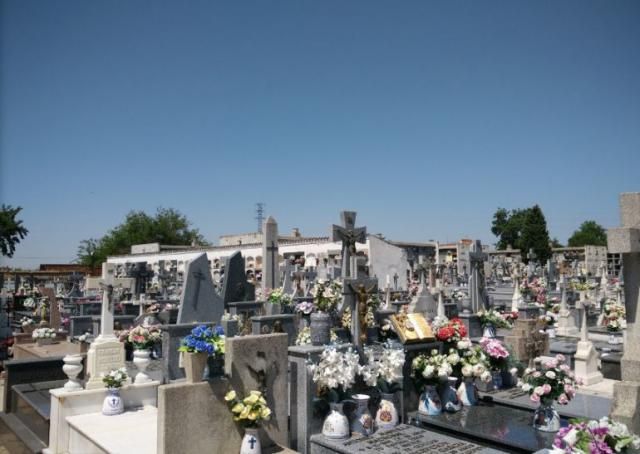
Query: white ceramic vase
{"x":387,"y":414}
{"x":251,"y":442}
{"x":72,"y":367}
{"x":336,"y":424}
{"x":141,"y":360}
{"x":468,"y":393}
{"x":112,"y":404}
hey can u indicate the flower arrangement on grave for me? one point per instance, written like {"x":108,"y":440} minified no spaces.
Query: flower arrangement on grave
{"x":579,"y":286}
{"x":370,"y":320}
{"x":449,"y":331}
{"x":227,"y":316}
{"x":614,"y":316}
{"x":430,"y":369}
{"x":492,"y":317}
{"x":29,"y":303}
{"x":510,"y":316}
{"x":496,"y":353}
{"x":547,"y":320}
{"x":278,"y":296}
{"x":326,"y":295}
{"x":304,"y":336}
{"x":249,"y":411}
{"x":204,"y":339}
{"x":458,"y":295}
{"x":305,"y":308}
{"x":115,"y":378}
{"x":552,"y":381}
{"x":536,"y":290}
{"x":474,"y":364}
{"x":335,"y":373}
{"x":583,"y":436}
{"x":27,"y":321}
{"x":43,"y":333}
{"x":143,"y":338}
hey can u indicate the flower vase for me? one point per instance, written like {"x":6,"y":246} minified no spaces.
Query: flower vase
{"x":141,"y":360}
{"x":271,"y":308}
{"x":320,"y":328}
{"x":362,"y":422}
{"x":387,"y":414}
{"x":496,"y":379}
{"x":450,"y":401}
{"x":44,"y":341}
{"x":430,"y":403}
{"x":468,"y":392}
{"x":546,"y":418}
{"x":112,"y":404}
{"x":194,"y":364}
{"x":551,"y":332}
{"x":336,"y":424}
{"x":251,"y":441}
{"x":489,"y":331}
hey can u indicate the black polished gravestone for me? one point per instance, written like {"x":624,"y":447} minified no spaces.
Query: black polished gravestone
{"x":402,"y":439}
{"x":235,"y":286}
{"x":199,"y":301}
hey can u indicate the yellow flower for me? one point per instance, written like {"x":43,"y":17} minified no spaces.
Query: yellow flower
{"x":262,"y":401}
{"x":231,"y":395}
{"x":238,"y":408}
{"x":253,"y":415}
{"x":251,"y":400}
{"x":265,"y":413}
{"x":245,"y":412}
{"x":256,"y":393}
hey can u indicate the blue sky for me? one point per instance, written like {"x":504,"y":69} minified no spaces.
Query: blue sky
{"x":423,"y":116}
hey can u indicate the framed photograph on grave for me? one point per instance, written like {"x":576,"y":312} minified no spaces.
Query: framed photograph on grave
{"x":412,"y":328}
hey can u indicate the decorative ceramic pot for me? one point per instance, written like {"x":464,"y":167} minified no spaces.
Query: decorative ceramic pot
{"x":194,"y":364}
{"x":336,"y":424}
{"x":489,"y":331}
{"x":430,"y":403}
{"x":141,"y":360}
{"x":468,"y":392}
{"x":546,"y":418}
{"x":450,"y":401}
{"x":387,"y":414}
{"x":496,"y":379}
{"x":72,"y":367}
{"x":251,"y":442}
{"x":551,"y":332}
{"x":320,"y":328}
{"x":112,"y":404}
{"x":361,"y":422}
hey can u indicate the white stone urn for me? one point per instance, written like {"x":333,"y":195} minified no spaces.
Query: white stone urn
{"x":336,"y":424}
{"x":72,"y":367}
{"x":141,"y":359}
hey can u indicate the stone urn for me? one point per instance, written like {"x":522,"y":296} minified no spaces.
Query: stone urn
{"x":320,"y":328}
{"x":194,"y":364}
{"x":142,"y":359}
{"x":72,"y":368}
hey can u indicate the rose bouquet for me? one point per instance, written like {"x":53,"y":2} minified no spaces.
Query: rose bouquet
{"x":249,"y":411}
{"x":204,"y":339}
{"x":278,"y":296}
{"x":115,"y":378}
{"x":492,"y":317}
{"x":554,"y":380}
{"x":430,"y":369}
{"x":451,"y":330}
{"x":143,"y":338}
{"x":510,"y":316}
{"x":614,"y":316}
{"x":536,"y":289}
{"x":475,"y":364}
{"x":594,"y":437}
{"x":496,"y":353}
{"x":335,"y":373}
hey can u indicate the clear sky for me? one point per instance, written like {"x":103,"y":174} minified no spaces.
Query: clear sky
{"x":422,"y":116}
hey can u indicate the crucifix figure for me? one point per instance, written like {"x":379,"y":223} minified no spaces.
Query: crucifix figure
{"x":349,"y":235}
{"x":477,"y":290}
{"x":356,"y":294}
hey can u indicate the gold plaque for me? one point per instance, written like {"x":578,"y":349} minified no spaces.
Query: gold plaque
{"x":412,"y":328}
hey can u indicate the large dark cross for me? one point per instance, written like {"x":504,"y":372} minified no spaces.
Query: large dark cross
{"x":349,"y":235}
{"x":273,"y":248}
{"x":476,"y":261}
{"x":198,"y":276}
{"x":355,"y":292}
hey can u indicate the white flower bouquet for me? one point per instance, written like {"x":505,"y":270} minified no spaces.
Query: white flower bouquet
{"x":115,"y":378}
{"x":335,"y":373}
{"x":43,"y":333}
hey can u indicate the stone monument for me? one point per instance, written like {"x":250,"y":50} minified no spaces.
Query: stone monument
{"x":199,"y":301}
{"x":566,"y":320}
{"x":349,"y":235}
{"x":586,"y":357}
{"x":270,"y":269}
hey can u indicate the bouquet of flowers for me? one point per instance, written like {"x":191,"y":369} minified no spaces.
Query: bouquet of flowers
{"x":430,"y":369}
{"x":204,"y":339}
{"x":227,"y":316}
{"x":458,"y":295}
{"x":475,"y":364}
{"x":278,"y":296}
{"x":43,"y":333}
{"x":594,"y":437}
{"x":384,"y":372}
{"x":304,"y":336}
{"x":115,"y":378}
{"x":554,"y":380}
{"x":492,"y":317}
{"x":29,"y":303}
{"x":496,"y":353}
{"x":326,"y":295}
{"x":143,"y":338}
{"x":547,"y":320}
{"x":510,"y":316}
{"x":336,"y":372}
{"x":614,"y":316}
{"x":27,"y":321}
{"x":579,"y":286}
{"x":305,"y":307}
{"x":450,"y":330}
{"x":346,"y":318}
{"x":249,"y":411}
{"x":537,"y":289}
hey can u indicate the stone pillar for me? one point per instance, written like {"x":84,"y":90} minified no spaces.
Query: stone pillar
{"x":586,"y":357}
{"x":566,"y":320}
{"x":270,"y":268}
{"x":626,"y":241}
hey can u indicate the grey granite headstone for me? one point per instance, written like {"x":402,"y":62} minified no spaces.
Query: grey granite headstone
{"x":80,"y":324}
{"x":235,"y":286}
{"x":280,"y":323}
{"x":171,"y":337}
{"x":270,"y":268}
{"x":199,"y":301}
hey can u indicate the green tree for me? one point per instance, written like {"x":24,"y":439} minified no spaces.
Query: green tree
{"x":590,"y":233}
{"x":168,"y":226}
{"x":507,"y":226}
{"x":11,"y":230}
{"x":535,"y":235}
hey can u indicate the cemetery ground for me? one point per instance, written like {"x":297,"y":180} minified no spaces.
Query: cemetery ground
{"x":181,"y":352}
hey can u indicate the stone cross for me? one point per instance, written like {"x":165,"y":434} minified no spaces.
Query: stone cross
{"x":349,"y":235}
{"x":625,"y":240}
{"x":199,"y":277}
{"x":107,"y":283}
{"x":270,"y":270}
{"x":477,"y":290}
